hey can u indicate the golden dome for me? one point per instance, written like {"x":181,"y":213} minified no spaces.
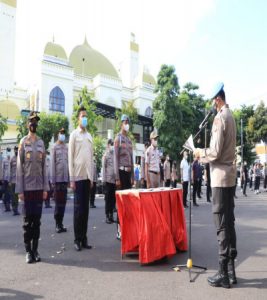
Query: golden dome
{"x":88,"y":62}
{"x":55,"y":50}
{"x":9,"y":2}
{"x":9,"y":109}
{"x":148,"y":78}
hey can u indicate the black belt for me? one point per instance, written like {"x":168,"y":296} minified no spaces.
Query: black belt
{"x":156,"y":173}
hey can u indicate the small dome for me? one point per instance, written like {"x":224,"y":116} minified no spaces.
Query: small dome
{"x":148,"y":78}
{"x":55,"y":50}
{"x":88,"y":62}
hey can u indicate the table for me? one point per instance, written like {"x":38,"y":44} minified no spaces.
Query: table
{"x":152,"y":222}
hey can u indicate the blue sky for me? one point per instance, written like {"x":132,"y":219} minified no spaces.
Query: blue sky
{"x":206,"y":40}
{"x":230,"y":44}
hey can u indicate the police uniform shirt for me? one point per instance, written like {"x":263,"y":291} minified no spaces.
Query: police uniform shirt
{"x":152,"y":158}
{"x":13,"y":169}
{"x":59,"y":163}
{"x":108,"y":167}
{"x":31,"y":166}
{"x":123,"y":154}
{"x":221,"y":153}
{"x":80,"y":155}
{"x":184,"y":166}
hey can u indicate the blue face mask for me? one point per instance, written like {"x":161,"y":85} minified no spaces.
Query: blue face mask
{"x":61,"y":137}
{"x":84,"y":122}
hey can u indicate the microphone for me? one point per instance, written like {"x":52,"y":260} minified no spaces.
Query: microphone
{"x":203,"y":123}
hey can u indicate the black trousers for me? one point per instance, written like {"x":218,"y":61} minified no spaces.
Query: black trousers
{"x":208,"y":192}
{"x":185,"y":192}
{"x":196,"y":190}
{"x":6,"y":192}
{"x":125,"y":179}
{"x":224,"y":220}
{"x":265,"y":181}
{"x":81,"y":210}
{"x":245,"y":187}
{"x":257,"y":183}
{"x":167,"y":183}
{"x":60,"y":192}
{"x":32,"y":213}
{"x":92,"y":194}
{"x":14,"y":198}
{"x":109,"y":198}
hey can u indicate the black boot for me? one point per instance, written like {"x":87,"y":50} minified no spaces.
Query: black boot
{"x":111,"y":218}
{"x":231,"y":271}
{"x":108,"y":219}
{"x":60,"y":228}
{"x":221,"y":277}
{"x":36,"y":256}
{"x":29,"y":256}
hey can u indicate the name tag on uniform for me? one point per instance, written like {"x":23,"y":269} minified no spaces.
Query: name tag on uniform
{"x":40,"y":155}
{"x":28,"y":155}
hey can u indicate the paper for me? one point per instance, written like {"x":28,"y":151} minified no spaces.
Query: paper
{"x":189,"y":144}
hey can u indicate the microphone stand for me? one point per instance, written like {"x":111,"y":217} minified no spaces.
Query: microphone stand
{"x":189,"y":265}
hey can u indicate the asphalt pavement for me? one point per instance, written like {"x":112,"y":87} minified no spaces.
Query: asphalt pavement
{"x":100,"y":273}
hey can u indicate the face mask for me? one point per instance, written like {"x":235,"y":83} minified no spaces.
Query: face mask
{"x":126,"y":127}
{"x":167,"y":158}
{"x":33,"y":127}
{"x":186,"y":157}
{"x":61,"y":137}
{"x":154,"y":143}
{"x":16,"y":153}
{"x":84,"y":122}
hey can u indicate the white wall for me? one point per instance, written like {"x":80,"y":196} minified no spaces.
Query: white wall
{"x":7,"y":46}
{"x":56,"y":75}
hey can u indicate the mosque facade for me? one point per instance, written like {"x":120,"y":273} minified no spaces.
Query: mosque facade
{"x":63,"y":77}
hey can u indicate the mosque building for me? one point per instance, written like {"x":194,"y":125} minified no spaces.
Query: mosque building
{"x":63,"y":77}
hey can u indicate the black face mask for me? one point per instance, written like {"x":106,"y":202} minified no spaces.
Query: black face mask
{"x":16,"y":153}
{"x":33,"y":127}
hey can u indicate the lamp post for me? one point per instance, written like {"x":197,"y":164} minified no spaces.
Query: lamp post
{"x":242,"y":146}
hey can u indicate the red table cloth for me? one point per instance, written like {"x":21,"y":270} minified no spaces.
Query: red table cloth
{"x":152,"y":223}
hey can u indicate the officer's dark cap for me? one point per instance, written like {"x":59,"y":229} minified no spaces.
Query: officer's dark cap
{"x":33,"y":115}
{"x":62,"y":130}
{"x":110,"y":142}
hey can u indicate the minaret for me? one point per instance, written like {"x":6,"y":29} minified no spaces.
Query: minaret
{"x":7,"y":44}
{"x":134,"y":59}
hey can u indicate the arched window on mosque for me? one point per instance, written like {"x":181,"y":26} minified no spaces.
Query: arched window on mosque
{"x":57,"y":100}
{"x":149,"y":112}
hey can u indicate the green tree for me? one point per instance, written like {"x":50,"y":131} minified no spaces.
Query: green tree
{"x":257,"y":125}
{"x":99,"y":148}
{"x":85,"y":99}
{"x":3,"y":126}
{"x":245,"y":113}
{"x":193,"y":111}
{"x":22,"y":127}
{"x":128,"y":109}
{"x":60,"y":121}
{"x":167,"y":112}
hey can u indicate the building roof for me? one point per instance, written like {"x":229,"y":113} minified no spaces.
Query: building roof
{"x":55,"y":50}
{"x":9,"y":2}
{"x":88,"y":62}
{"x":148,"y":78}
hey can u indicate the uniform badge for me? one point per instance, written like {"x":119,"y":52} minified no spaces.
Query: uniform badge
{"x":28,"y":155}
{"x":41,"y":155}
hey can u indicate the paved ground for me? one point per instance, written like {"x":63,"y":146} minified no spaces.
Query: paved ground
{"x":101,"y":274}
